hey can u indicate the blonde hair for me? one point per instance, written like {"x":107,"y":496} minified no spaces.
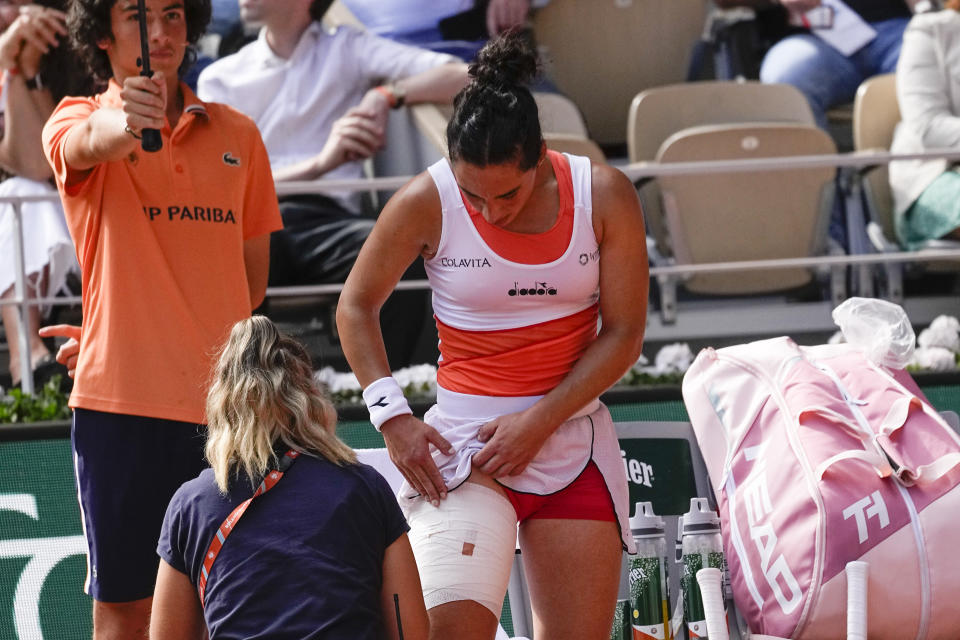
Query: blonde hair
{"x":262,"y":392}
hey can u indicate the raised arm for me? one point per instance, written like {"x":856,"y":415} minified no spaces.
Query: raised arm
{"x":513,"y":440}
{"x":110,"y":133}
{"x":408,"y":226}
{"x":35,"y":31}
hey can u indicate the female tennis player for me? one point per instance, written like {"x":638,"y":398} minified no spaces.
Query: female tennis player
{"x":528,"y":252}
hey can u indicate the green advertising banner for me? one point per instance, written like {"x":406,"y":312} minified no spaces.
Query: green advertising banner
{"x":42,"y":549}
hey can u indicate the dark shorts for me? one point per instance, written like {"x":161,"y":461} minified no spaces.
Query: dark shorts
{"x":128,"y":468}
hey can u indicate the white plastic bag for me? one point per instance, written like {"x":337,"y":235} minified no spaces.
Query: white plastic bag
{"x":880,"y":329}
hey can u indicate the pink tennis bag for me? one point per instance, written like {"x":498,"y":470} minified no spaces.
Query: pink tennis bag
{"x":819,"y":457}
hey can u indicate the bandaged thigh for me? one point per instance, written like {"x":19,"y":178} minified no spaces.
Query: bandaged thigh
{"x":465,"y":547}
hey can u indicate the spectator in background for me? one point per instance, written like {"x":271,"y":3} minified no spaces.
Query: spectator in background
{"x":173,"y":249}
{"x":457,"y":27}
{"x":317,"y":98}
{"x":926,"y":193}
{"x":322,"y":553}
{"x":822,"y":73}
{"x":39,"y":69}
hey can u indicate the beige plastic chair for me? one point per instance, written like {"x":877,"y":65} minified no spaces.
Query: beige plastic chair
{"x":339,"y":14}
{"x":602,"y":52}
{"x":658,"y":113}
{"x":876,"y":113}
{"x":576,"y":145}
{"x":723,"y":217}
{"x":559,"y":119}
{"x":875,"y":116}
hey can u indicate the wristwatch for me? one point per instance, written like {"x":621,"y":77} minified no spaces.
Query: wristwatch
{"x":396,"y":97}
{"x":34,"y":83}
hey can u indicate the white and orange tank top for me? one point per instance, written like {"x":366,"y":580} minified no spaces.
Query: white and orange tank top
{"x":514,"y":311}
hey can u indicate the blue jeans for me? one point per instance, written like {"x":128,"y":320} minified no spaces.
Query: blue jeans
{"x":824,"y":75}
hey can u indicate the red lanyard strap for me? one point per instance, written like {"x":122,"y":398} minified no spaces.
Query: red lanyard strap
{"x":228,"y":525}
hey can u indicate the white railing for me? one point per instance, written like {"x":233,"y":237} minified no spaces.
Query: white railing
{"x":635,"y":172}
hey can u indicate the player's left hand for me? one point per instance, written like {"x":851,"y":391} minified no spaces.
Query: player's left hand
{"x":512,"y":441}
{"x":69,"y":351}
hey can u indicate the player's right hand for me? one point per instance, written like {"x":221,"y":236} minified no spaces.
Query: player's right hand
{"x":408,"y":442}
{"x":144,"y":102}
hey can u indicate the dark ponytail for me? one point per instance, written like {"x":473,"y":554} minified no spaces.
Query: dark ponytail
{"x":495,"y":118}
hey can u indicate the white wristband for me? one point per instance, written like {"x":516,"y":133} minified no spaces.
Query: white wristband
{"x":384,"y":399}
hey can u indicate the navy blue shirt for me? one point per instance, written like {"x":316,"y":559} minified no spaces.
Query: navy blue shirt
{"x":304,"y":561}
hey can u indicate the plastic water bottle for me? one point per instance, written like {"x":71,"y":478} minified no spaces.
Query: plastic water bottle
{"x":700,"y":547}
{"x":621,"y":622}
{"x":649,"y":598}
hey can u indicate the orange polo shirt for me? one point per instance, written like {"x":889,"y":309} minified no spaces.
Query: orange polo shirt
{"x":160,"y":237}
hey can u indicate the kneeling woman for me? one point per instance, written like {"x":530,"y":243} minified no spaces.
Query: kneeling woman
{"x":320,"y":550}
{"x":524,"y":250}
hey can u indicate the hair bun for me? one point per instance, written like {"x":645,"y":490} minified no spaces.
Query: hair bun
{"x":509,"y":59}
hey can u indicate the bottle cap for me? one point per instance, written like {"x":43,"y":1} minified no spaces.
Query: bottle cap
{"x":646,"y":522}
{"x":701,"y":518}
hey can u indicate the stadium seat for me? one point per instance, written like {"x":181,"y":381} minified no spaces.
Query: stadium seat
{"x":876,"y":113}
{"x":576,"y":145}
{"x":658,"y":113}
{"x":875,"y":116}
{"x":723,"y":217}
{"x":560,"y":121}
{"x":601,"y":54}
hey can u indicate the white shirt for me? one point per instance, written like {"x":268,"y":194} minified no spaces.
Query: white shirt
{"x":295,"y":101}
{"x":928,"y":90}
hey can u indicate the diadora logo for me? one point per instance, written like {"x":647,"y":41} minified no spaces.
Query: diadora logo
{"x":538,"y":289}
{"x":465,"y":263}
{"x":871,"y":506}
{"x":587,"y":258}
{"x":756,"y":500}
{"x":230,"y":161}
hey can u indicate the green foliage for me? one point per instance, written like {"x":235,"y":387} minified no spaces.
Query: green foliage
{"x":47,"y":403}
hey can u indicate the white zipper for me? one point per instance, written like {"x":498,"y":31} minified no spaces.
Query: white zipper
{"x":854,"y":406}
{"x":811,"y":486}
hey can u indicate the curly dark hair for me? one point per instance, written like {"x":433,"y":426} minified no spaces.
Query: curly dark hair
{"x":88,"y":22}
{"x":495,"y":118}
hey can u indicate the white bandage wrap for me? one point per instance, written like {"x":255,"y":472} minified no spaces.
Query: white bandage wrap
{"x":465,"y":547}
{"x":384,"y":399}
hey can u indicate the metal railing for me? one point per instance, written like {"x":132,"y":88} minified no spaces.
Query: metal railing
{"x":635,"y":171}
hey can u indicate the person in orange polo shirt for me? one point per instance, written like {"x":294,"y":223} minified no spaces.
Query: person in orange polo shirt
{"x":174,"y":249}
